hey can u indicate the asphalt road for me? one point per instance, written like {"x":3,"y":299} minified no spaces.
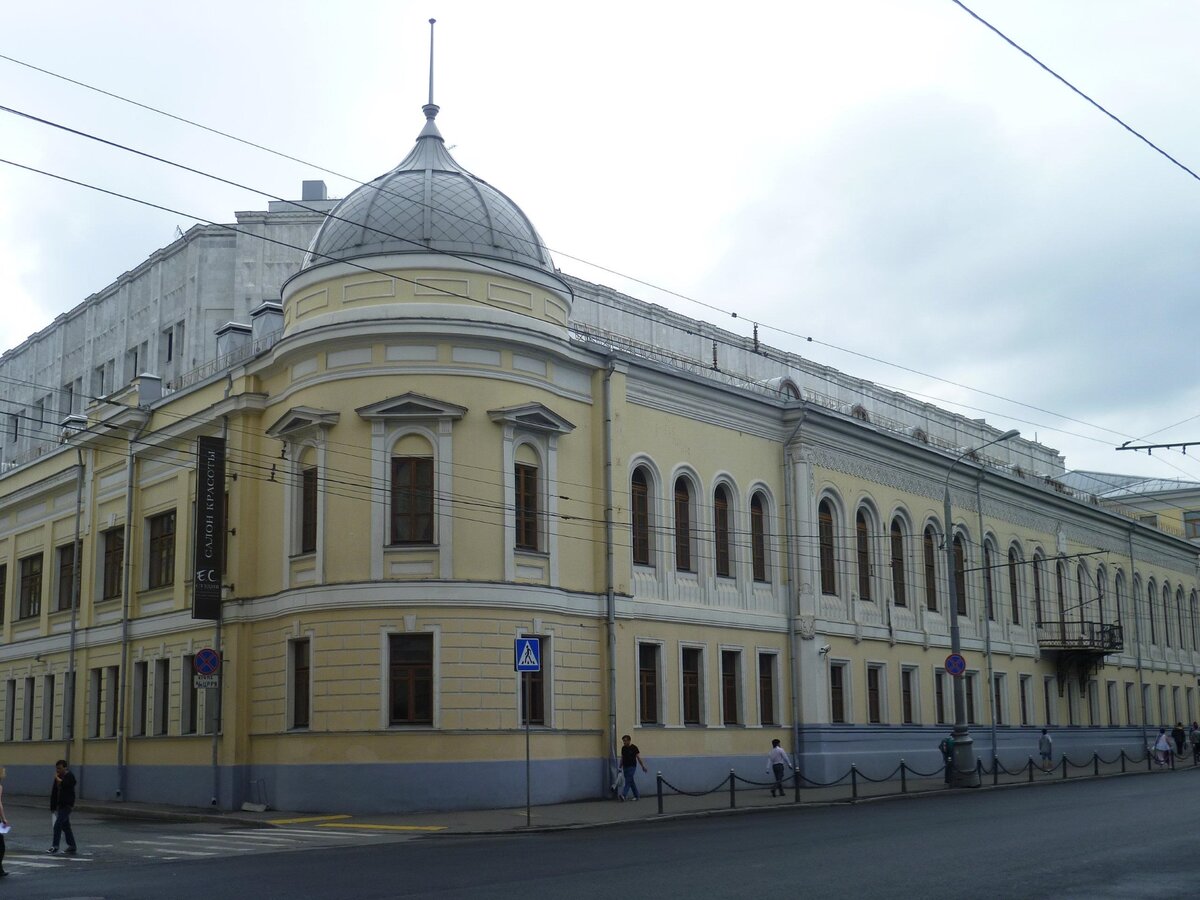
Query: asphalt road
{"x":1122,"y":837}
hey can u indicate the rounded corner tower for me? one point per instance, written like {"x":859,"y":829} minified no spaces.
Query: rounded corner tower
{"x":428,"y":217}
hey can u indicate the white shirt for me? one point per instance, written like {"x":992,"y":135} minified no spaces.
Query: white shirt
{"x":778,"y":755}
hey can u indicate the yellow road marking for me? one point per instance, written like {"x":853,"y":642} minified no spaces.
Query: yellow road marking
{"x":383,"y":827}
{"x":307,"y":819}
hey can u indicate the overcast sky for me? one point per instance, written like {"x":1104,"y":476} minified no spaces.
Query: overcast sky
{"x":888,"y":178}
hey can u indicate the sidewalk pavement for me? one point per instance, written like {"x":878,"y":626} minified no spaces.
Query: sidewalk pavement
{"x":582,"y":814}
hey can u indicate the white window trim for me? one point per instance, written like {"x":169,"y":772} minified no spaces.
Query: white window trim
{"x":847,"y":692}
{"x":740,"y":674}
{"x":547,"y":659}
{"x":410,"y":626}
{"x":882,"y":669}
{"x":705,"y":717}
{"x":915,"y":676}
{"x":290,"y":687}
{"x":662,"y":681}
{"x":776,"y":713}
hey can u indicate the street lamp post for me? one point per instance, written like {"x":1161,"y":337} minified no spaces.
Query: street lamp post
{"x":964,"y":751}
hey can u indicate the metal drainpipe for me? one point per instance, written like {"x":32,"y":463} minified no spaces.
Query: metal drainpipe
{"x":127,"y":587}
{"x":793,"y":593}
{"x":987,"y":620}
{"x":610,"y":566}
{"x":1137,"y":629}
{"x":69,"y":692}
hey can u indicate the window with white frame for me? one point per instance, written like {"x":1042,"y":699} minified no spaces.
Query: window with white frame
{"x":839,"y":692}
{"x":691,"y":684}
{"x":95,"y":688}
{"x":685,"y":525}
{"x":1114,"y":707}
{"x":10,"y":708}
{"x":299,"y":675}
{"x":1049,"y":700}
{"x":189,"y":697}
{"x":722,"y":531}
{"x":864,"y":552}
{"x":27,"y":717}
{"x":1025,"y":698}
{"x":943,"y":699}
{"x":48,"y":707}
{"x":826,"y":535}
{"x":1131,"y":711}
{"x":876,"y":694}
{"x":162,"y":695}
{"x":910,"y":698}
{"x":767,"y":693}
{"x":731,"y":687}
{"x":410,"y":679}
{"x":650,"y":684}
{"x":929,"y":566}
{"x":160,"y":570}
{"x":1000,"y":697}
{"x":141,"y":696}
{"x":641,"y":531}
{"x":1093,"y":698}
{"x":758,"y":538}
{"x":969,"y":695}
{"x":899,"y":571}
{"x":111,"y":680}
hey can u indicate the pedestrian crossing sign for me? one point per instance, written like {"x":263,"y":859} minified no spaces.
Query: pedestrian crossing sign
{"x":527,"y":655}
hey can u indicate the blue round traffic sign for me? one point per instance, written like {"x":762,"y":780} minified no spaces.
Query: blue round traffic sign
{"x":955,"y":664}
{"x":206,"y":662}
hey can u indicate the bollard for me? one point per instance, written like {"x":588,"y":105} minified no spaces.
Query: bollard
{"x":1122,"y":762}
{"x":732,"y":786}
{"x":1096,"y":764}
{"x":995,"y":770}
{"x":1031,"y":770}
{"x":1171,"y":756}
{"x":978,"y":772}
{"x":1064,"y":767}
{"x":1149,"y":760}
{"x":853,"y":781}
{"x":903,"y":778}
{"x":796,"y":782}
{"x":658,"y":775}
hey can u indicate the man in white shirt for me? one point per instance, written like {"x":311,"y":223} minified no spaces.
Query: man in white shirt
{"x":778,"y":762}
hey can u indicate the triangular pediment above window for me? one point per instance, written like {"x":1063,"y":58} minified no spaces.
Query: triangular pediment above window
{"x":299,"y":419}
{"x":411,"y":406}
{"x":533,"y":416}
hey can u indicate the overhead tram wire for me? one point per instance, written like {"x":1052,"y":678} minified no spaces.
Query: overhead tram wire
{"x":725,"y":312}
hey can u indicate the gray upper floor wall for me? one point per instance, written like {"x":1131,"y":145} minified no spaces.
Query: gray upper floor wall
{"x":162,"y":317}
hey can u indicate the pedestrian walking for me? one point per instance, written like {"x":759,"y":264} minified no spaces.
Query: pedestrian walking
{"x":1046,"y":750}
{"x":3,"y":823}
{"x":631,"y":758}
{"x":1194,"y":737}
{"x":1178,"y":735}
{"x":947,"y":749}
{"x":778,"y":762}
{"x":1162,"y":748}
{"x":62,"y":800}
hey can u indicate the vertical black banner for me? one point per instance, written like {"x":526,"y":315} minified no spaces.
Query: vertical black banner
{"x":209,"y":531}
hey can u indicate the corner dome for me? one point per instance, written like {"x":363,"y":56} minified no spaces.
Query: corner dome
{"x":428,"y":203}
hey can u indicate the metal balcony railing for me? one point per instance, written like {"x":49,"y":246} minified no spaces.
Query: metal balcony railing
{"x":1071,"y":634}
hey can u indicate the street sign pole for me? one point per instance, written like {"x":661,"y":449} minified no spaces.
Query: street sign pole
{"x":527,"y":657}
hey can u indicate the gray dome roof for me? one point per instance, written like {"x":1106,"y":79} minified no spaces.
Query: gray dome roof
{"x":428,"y":203}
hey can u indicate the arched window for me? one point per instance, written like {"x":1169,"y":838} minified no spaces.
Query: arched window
{"x":1194,"y":610}
{"x":412,"y":492}
{"x":1119,"y":595}
{"x":960,"y":575}
{"x":1179,"y":618}
{"x":1060,"y":585}
{"x":683,"y":525}
{"x":928,"y":545}
{"x":899,"y":592}
{"x":1013,"y":585}
{"x":639,"y":490}
{"x":721,"y":530}
{"x":1151,"y":602}
{"x":1166,"y":608}
{"x":987,"y":581}
{"x":1081,"y":594}
{"x":828,"y":558}
{"x":527,"y":476}
{"x":862,"y":543}
{"x":1038,"y":612}
{"x":1101,"y":595}
{"x":758,"y":536}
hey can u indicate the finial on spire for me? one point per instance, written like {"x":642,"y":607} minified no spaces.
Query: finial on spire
{"x":431,"y":24}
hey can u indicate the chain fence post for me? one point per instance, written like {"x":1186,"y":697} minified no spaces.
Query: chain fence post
{"x":978,"y":771}
{"x":659,"y":778}
{"x":853,"y":781}
{"x":995,"y":770}
{"x":796,"y":782}
{"x":732,"y":787}
{"x":1122,"y":762}
{"x":1064,"y":767}
{"x":1095,"y":763}
{"x":903,"y":777}
{"x":1030,"y":770}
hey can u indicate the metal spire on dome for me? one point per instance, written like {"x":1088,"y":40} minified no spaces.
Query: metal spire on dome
{"x":430,"y":109}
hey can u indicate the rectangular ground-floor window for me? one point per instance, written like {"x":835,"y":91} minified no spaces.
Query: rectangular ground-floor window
{"x":838,"y":710}
{"x":1023,"y":690}
{"x":162,"y":695}
{"x":766,"y":689}
{"x":969,"y":696}
{"x":908,"y":695}
{"x":410,"y":679}
{"x":649,"y":684}
{"x":731,"y":687}
{"x":300,"y":681}
{"x":691,"y":685}
{"x":874,"y":694}
{"x":940,"y":699}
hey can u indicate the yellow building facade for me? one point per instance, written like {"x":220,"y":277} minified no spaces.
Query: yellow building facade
{"x":450,"y":445}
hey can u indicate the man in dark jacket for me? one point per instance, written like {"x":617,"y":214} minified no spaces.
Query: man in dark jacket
{"x":1178,"y":735}
{"x":62,"y":799}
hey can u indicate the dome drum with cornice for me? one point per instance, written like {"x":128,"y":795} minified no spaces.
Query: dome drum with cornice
{"x":428,"y":204}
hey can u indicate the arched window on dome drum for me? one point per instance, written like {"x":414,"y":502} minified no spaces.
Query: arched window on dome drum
{"x":988,"y":594}
{"x":758,"y":537}
{"x":960,"y":575}
{"x":412,"y":500}
{"x":862,"y":542}
{"x":828,"y":558}
{"x":640,"y":512}
{"x":1014,"y":585}
{"x":899,"y":592}
{"x":721,"y":532}
{"x":683,"y":526}
{"x":928,"y":547}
